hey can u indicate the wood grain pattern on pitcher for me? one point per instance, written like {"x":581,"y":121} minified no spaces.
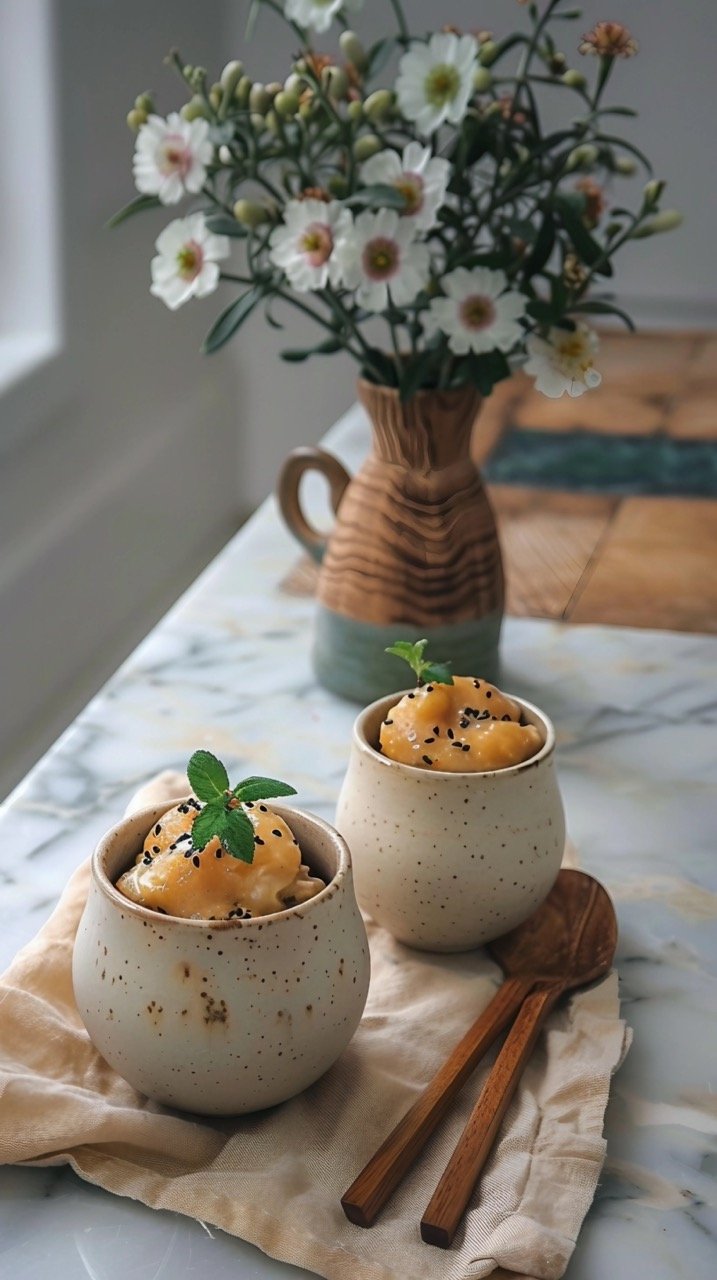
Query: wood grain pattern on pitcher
{"x":415,"y":542}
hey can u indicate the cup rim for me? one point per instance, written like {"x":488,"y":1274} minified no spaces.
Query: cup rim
{"x":152,"y":813}
{"x":361,"y":741}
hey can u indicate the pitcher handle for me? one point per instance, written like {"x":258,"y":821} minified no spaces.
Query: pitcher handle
{"x":298,"y":462}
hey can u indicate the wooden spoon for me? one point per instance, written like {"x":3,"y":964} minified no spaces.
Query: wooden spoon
{"x":569,"y":942}
{"x":527,"y":955}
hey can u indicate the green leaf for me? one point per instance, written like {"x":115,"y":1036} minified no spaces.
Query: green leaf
{"x":485,"y":370}
{"x":380,"y":195}
{"x":586,"y":247}
{"x":206,"y":825}
{"x":542,"y":248}
{"x":438,"y":673}
{"x":207,"y":776}
{"x":222,"y":225}
{"x":326,"y":348}
{"x":627,"y":146}
{"x":237,"y":835}
{"x":138,"y":205}
{"x":232,"y":319}
{"x":379,"y":55}
{"x":595,"y":306}
{"x":262,"y":789}
{"x":412,"y":653}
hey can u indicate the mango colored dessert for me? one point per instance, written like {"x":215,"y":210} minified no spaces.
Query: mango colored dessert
{"x":454,"y":724}
{"x":228,"y":858}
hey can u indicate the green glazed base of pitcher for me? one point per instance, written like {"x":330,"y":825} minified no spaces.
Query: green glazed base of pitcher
{"x":349,"y":657}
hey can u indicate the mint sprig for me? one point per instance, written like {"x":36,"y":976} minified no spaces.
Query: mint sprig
{"x":222,"y":815}
{"x":435,"y":672}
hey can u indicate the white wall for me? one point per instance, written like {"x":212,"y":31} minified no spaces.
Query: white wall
{"x":118,"y":473}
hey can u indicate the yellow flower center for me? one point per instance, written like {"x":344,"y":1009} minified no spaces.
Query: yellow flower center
{"x":380,"y":258}
{"x":189,"y":260}
{"x":411,"y":187}
{"x":477,"y":312}
{"x":317,"y":243}
{"x":442,"y":84}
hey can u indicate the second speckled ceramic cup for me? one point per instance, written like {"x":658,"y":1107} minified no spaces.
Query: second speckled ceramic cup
{"x":221,"y":1016}
{"x":448,"y":861}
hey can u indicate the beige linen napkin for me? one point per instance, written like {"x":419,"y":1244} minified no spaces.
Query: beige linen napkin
{"x":275,"y":1178}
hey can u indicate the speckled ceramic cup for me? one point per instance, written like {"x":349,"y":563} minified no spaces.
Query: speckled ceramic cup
{"x":447,"y":861}
{"x":221,"y":1017}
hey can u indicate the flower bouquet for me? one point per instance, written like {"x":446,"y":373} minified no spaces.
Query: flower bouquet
{"x":406,"y":195}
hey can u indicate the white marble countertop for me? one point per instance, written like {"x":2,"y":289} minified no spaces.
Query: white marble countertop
{"x":229,"y":669}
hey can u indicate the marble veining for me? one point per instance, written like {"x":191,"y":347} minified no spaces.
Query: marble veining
{"x":229,"y":669}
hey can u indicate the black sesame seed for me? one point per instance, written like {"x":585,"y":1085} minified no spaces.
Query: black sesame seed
{"x":388,"y":722}
{"x":258,"y":840}
{"x":464,"y":723}
{"x":146,"y":860}
{"x":436,"y":730}
{"x":248,"y":804}
{"x":429,"y":739}
{"x":457,"y":744}
{"x":275,"y":831}
{"x":411,"y":695}
{"x":184,"y":808}
{"x":218,"y":853}
{"x":505,"y":717}
{"x":195,"y":860}
{"x":477,"y":684}
{"x":156,"y":848}
{"x":188,"y":854}
{"x":429,"y":688}
{"x":466,"y":746}
{"x":263,"y":808}
{"x":157,"y":829}
{"x":489,"y":693}
{"x":426,"y":760}
{"x":450,"y":733}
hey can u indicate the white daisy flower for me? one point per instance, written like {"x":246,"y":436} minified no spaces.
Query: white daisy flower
{"x":421,"y":178}
{"x":171,"y":157}
{"x":318,"y":14}
{"x":564,"y":362}
{"x":435,"y":80}
{"x":187,"y":262}
{"x":477,"y":315}
{"x":380,"y":255}
{"x":304,"y":245}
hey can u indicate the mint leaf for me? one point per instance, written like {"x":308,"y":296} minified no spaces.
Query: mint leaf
{"x":237,"y":835}
{"x":207,"y":824}
{"x":262,"y":789}
{"x":207,"y":776}
{"x":436,"y":672}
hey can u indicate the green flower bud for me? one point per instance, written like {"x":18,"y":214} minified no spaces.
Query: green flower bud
{"x":557,"y":63}
{"x":665,"y":221}
{"x":301,"y":66}
{"x":258,"y":122}
{"x":187,"y":71}
{"x":250,"y":213}
{"x":653,"y":190}
{"x":286,"y":104}
{"x":197,"y":76}
{"x":354,"y":111}
{"x":295,"y":84}
{"x":353,"y":50}
{"x":215,"y":96}
{"x":135,"y":119}
{"x":335,"y":81}
{"x":366,"y":146}
{"x":487,"y":53}
{"x":195,"y":109}
{"x":242,"y":91}
{"x":574,"y":79}
{"x":338,"y":186}
{"x":626,"y":166}
{"x":582,"y":157}
{"x":307,"y":109}
{"x":273,"y":123}
{"x":273,"y":88}
{"x":144,"y":103}
{"x":259,"y":99}
{"x":378,"y":105}
{"x":231,"y":75}
{"x":482,"y":80}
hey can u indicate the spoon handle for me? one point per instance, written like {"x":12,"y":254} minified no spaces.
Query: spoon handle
{"x":449,"y":1200}
{"x":378,"y":1180}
